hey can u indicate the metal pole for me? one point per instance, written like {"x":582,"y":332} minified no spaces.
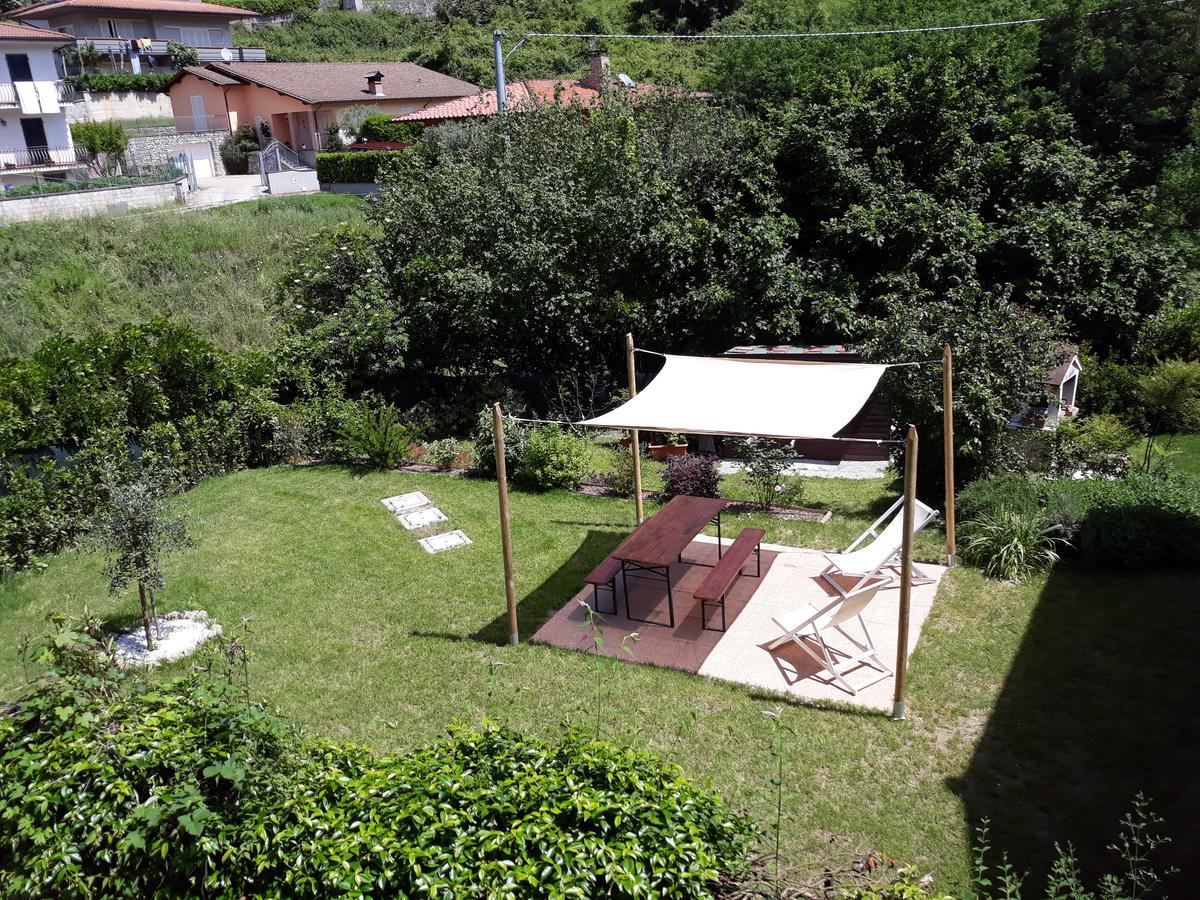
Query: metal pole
{"x":906,"y":554}
{"x":635,"y":447}
{"x":498,"y":54}
{"x":510,"y":585}
{"x":948,"y":450}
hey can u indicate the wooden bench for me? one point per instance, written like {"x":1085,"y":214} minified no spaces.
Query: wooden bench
{"x":717,"y":583}
{"x":605,"y":576}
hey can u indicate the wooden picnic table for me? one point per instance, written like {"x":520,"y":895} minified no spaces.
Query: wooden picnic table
{"x":661,"y":539}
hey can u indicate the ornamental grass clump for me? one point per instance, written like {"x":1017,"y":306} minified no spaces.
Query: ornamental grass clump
{"x":1012,"y":545}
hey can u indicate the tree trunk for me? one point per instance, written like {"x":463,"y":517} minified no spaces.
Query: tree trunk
{"x":146,"y":616}
{"x":154,"y":613}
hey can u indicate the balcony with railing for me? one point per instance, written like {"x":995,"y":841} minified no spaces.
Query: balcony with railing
{"x":123,"y":46}
{"x":193,"y":124}
{"x":36,"y":158}
{"x":10,"y":98}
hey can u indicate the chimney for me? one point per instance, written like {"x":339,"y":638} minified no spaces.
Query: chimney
{"x":375,"y":84}
{"x":598,"y":76}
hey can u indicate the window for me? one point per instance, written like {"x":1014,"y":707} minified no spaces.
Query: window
{"x":119,"y":28}
{"x":18,"y":67}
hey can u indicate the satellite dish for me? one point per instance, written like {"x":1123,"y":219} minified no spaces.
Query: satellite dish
{"x":226,"y":54}
{"x":625,"y":80}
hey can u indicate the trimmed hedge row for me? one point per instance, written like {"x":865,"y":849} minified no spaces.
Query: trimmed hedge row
{"x":119,"y":82}
{"x":114,"y":788}
{"x":354,"y":166}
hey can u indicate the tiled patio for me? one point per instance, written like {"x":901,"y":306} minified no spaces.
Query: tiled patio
{"x":740,"y":654}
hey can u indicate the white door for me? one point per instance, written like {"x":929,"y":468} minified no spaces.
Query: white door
{"x":201,"y":157}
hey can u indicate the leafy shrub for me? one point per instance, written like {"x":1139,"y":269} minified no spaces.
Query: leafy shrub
{"x":1011,"y":545}
{"x":446,"y":453}
{"x":110,"y":789}
{"x":119,"y":82}
{"x":354,"y":166}
{"x":765,"y":462}
{"x":553,"y":458}
{"x":619,"y":478}
{"x":1098,"y":443}
{"x":695,"y":476}
{"x":986,"y":497}
{"x":382,"y":128}
{"x":237,"y":148}
{"x":182,"y":55}
{"x":376,"y":437}
{"x":103,"y":142}
{"x":1136,"y":522}
{"x":516,"y":438}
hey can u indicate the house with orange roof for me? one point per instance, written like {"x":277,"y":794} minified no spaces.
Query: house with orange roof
{"x":35,"y":139}
{"x":531,"y":93}
{"x":132,"y":35}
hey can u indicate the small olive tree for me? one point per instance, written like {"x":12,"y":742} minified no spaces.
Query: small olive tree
{"x":1170,"y":396}
{"x":137,"y":527}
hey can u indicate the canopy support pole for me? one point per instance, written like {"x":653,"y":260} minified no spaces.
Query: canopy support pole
{"x":510,"y":585}
{"x":635,"y":446}
{"x":948,"y":450}
{"x":906,"y":555}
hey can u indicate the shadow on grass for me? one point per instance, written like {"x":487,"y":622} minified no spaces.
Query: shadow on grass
{"x":1100,"y":703}
{"x":536,"y":606}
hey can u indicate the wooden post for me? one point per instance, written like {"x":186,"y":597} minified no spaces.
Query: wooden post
{"x":635,"y":446}
{"x":906,"y":554}
{"x":510,"y":584}
{"x":948,"y":450}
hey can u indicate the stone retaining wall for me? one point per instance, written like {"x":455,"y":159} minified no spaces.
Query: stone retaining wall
{"x":155,"y":149}
{"x":99,"y":106}
{"x":97,"y":201}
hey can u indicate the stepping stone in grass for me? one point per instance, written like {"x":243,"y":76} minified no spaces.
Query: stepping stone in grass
{"x":447,"y":540}
{"x":402,"y":503}
{"x":422,"y":518}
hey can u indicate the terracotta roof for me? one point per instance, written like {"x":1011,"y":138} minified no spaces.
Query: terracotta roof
{"x":11,"y":32}
{"x":60,"y":7}
{"x":341,"y":82}
{"x":205,"y":73}
{"x":1058,"y":374}
{"x":526,"y":93}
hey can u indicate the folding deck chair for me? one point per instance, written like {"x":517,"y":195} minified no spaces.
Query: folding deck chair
{"x":864,"y":563}
{"x":810,"y":623}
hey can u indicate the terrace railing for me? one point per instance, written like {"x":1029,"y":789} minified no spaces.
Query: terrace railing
{"x":192,"y":124}
{"x":41,"y":157}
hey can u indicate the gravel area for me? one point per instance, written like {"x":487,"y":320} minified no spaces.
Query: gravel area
{"x":179,"y":634}
{"x":815,"y":468}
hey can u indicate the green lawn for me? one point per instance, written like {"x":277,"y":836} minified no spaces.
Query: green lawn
{"x":1183,"y":453}
{"x":1028,"y":704}
{"x":216,"y":270}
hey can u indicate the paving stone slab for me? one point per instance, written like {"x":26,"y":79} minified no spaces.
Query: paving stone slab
{"x":447,"y":540}
{"x":402,"y":503}
{"x":422,"y":518}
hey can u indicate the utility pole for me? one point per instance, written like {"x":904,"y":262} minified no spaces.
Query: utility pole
{"x":498,"y":53}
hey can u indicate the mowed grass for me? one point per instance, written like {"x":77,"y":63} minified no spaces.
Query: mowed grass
{"x":216,"y":270}
{"x":1182,"y":453}
{"x":357,"y":633}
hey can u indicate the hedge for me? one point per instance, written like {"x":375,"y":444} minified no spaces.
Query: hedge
{"x":353,"y":166}
{"x":110,"y":787}
{"x":119,"y":82}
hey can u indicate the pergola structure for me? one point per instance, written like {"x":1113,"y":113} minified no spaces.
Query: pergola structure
{"x":778,"y":399}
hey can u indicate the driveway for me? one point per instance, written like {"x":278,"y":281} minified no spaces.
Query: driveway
{"x":225,"y":189}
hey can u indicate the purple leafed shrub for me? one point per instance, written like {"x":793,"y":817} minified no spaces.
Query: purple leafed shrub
{"x":696,"y":476}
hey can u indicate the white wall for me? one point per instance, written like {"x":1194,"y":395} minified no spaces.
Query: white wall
{"x":45,"y":71}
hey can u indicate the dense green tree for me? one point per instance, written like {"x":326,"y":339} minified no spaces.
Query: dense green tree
{"x":1129,"y":74}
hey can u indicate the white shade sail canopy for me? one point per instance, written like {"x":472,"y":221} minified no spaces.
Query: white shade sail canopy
{"x":746,"y":397}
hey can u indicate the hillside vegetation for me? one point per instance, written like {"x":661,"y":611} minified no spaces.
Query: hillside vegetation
{"x":216,"y":270}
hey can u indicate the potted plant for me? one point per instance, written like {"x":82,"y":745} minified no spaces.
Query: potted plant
{"x":675,"y":445}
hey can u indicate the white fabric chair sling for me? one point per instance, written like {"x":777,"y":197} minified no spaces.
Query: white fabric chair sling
{"x":810,"y":624}
{"x":864,"y":562}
